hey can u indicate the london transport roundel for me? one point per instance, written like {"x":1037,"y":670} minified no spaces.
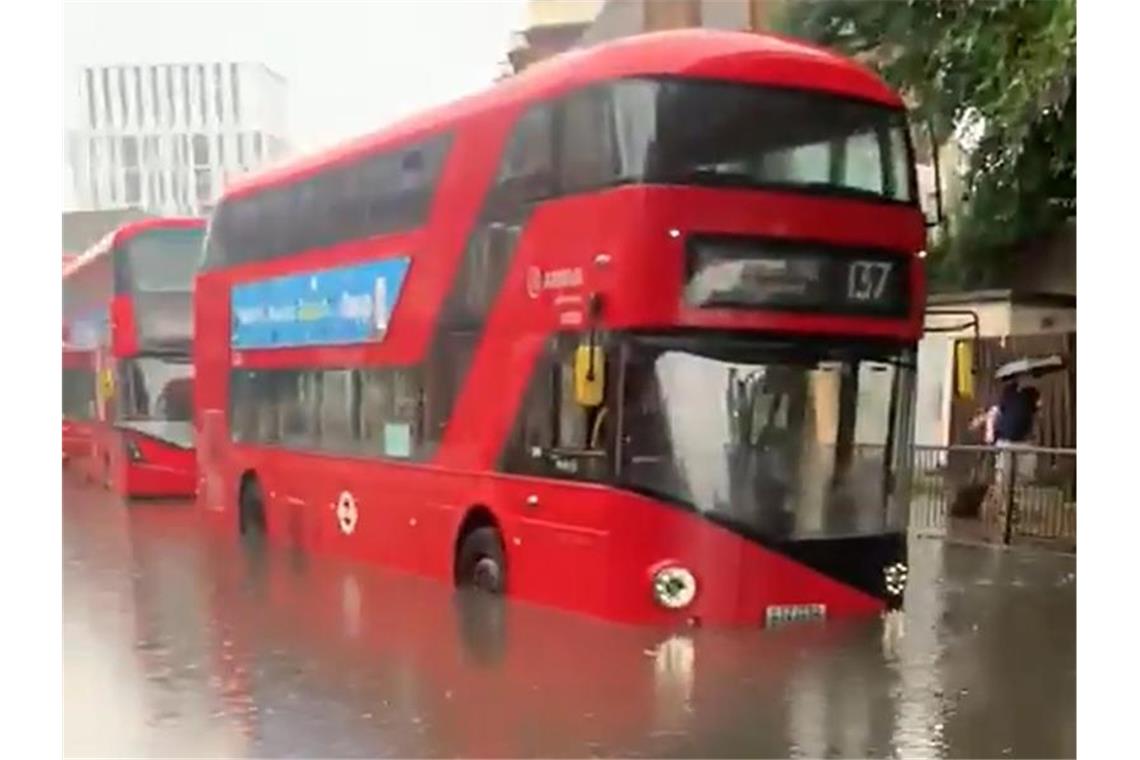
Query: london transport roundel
{"x":346,"y":514}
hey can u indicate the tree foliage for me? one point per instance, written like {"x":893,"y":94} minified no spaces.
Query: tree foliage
{"x":1002,"y":69}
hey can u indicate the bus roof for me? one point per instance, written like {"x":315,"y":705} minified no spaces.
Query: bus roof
{"x":699,"y":53}
{"x":125,"y":232}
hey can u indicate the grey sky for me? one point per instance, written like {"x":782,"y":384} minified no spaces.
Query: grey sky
{"x":351,"y":66}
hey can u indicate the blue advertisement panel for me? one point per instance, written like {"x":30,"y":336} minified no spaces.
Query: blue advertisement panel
{"x":336,"y":306}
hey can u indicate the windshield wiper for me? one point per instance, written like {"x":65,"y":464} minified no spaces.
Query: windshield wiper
{"x":719,"y":177}
{"x":834,"y":189}
{"x":709,"y":176}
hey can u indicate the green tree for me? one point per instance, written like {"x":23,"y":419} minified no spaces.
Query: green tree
{"x":1004,"y":69}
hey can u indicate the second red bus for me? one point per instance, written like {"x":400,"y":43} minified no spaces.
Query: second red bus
{"x":128,"y":328}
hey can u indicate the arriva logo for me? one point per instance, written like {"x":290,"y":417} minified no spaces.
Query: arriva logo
{"x":552,"y":279}
{"x":533,"y":281}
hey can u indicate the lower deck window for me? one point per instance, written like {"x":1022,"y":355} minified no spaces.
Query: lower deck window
{"x":367,"y":412}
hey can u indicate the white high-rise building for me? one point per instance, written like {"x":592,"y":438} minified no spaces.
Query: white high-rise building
{"x":165,"y":138}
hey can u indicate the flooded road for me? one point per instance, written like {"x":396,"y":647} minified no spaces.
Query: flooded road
{"x":178,"y":644}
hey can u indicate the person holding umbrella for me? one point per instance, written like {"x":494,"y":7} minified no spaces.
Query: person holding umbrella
{"x":1009,"y":424}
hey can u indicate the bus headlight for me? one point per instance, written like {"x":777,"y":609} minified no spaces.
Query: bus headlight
{"x":895,"y":578}
{"x":674,"y":587}
{"x":133,"y":452}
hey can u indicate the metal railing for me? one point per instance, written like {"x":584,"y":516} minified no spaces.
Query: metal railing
{"x":1016,"y":494}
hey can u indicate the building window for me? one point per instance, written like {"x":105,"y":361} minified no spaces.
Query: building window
{"x":219,"y":92}
{"x":155,"y":109}
{"x":185,"y":95}
{"x":132,"y":193}
{"x":124,"y":96}
{"x":130,"y":152}
{"x":203,"y":185}
{"x":90,"y":80}
{"x":140,"y":115}
{"x":236,"y":86}
{"x":106,"y":78}
{"x":168,"y":75}
{"x":202,"y":93}
{"x":221,"y":150}
{"x":258,"y":147}
{"x":201,"y":150}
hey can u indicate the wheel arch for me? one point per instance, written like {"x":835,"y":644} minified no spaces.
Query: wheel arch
{"x":475,"y":516}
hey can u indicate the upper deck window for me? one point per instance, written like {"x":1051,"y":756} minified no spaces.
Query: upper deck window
{"x":699,"y":132}
{"x":382,"y":194}
{"x":159,"y":261}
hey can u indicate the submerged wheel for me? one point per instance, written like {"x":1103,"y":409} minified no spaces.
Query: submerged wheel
{"x":480,"y":563}
{"x":251,"y":510}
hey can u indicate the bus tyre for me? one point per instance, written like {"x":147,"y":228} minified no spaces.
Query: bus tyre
{"x":480,"y":563}
{"x":251,"y":511}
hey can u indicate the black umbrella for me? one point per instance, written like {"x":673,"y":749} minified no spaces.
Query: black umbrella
{"x":1037,"y":367}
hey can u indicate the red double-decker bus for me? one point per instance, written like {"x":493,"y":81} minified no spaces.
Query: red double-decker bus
{"x":78,"y":402}
{"x":630,"y":334}
{"x":127,"y":365}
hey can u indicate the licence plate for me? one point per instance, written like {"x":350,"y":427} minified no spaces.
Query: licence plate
{"x":793,"y":613}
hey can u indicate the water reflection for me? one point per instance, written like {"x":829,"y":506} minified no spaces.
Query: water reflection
{"x":195,"y":646}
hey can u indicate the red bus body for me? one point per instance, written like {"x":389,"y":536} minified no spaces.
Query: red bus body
{"x":117,"y":327}
{"x":611,"y":260}
{"x":79,"y":389}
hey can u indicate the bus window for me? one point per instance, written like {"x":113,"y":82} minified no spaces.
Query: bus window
{"x":527,"y":169}
{"x":586,"y":149}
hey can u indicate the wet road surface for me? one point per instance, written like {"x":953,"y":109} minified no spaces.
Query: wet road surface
{"x":178,"y":644}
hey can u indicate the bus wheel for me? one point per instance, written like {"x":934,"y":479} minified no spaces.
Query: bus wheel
{"x":480,"y":562}
{"x":251,"y":509}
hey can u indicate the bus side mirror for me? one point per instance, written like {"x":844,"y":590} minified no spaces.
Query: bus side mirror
{"x":964,"y":368}
{"x":589,"y":375}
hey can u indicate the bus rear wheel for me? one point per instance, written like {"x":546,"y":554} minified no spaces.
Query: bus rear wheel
{"x":251,"y":510}
{"x":480,"y":563}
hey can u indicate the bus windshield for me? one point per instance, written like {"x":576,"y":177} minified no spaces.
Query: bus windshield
{"x":681,"y":131}
{"x":78,"y":393}
{"x":781,"y":441}
{"x":157,"y":397}
{"x":161,"y":261}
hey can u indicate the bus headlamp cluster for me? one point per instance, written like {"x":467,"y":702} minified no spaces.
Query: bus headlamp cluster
{"x":674,"y":587}
{"x":133,"y":452}
{"x":895,"y":577}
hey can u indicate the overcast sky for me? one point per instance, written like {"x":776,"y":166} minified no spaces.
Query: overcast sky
{"x":351,"y":66}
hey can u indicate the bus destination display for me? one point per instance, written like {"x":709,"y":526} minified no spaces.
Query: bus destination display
{"x":776,"y":275}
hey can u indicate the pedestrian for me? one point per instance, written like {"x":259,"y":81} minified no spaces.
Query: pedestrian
{"x":1011,"y":422}
{"x":1017,"y":410}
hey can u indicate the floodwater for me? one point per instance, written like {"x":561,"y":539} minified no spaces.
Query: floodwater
{"x":177,"y":644}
